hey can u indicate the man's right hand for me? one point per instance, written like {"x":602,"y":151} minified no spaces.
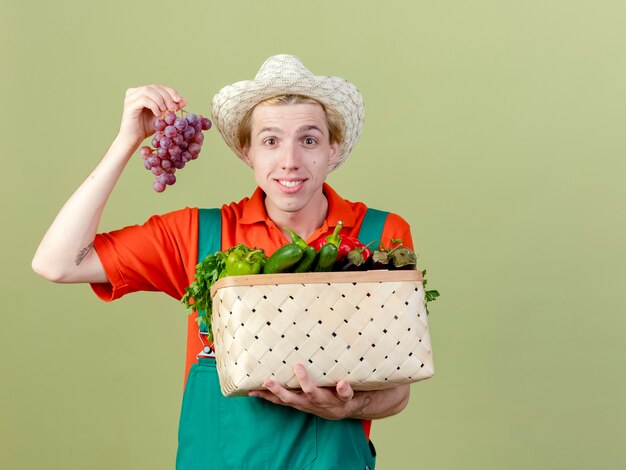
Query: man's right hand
{"x":141,"y":106}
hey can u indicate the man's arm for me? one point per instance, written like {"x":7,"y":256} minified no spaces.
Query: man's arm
{"x":339,"y":402}
{"x":66,"y":252}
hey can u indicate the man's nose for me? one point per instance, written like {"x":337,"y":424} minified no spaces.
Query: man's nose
{"x":290,"y":157}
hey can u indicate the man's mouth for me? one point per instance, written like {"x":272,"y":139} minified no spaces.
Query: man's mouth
{"x":290,"y":183}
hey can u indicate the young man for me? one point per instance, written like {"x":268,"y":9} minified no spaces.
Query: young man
{"x":292,"y":128}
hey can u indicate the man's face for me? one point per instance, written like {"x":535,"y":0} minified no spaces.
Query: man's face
{"x":290,"y":152}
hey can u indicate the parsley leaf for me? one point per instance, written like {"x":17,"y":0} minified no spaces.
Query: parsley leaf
{"x":198,"y":294}
{"x":429,"y":295}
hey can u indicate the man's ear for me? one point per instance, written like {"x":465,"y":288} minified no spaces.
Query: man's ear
{"x":245,"y":153}
{"x":334,"y":150}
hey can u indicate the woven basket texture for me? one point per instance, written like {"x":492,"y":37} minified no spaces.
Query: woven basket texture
{"x":369,"y":328}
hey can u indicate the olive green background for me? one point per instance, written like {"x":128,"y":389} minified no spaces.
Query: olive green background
{"x":496,"y":128}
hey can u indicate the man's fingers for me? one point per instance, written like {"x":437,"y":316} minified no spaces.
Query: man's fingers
{"x":178,"y":101}
{"x":157,"y":98}
{"x":306,"y":384}
{"x":330,"y":403}
{"x":162,"y":97}
{"x":269,"y":396}
{"x":317,"y":394}
{"x":344,"y":391}
{"x":282,"y":395}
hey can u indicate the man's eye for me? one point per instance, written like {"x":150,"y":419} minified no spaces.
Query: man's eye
{"x":270,"y":141}
{"x":309,"y":141}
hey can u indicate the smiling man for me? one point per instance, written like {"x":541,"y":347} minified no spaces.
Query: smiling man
{"x":290,"y":151}
{"x":292,"y":128}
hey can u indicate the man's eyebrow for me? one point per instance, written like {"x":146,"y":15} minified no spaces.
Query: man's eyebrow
{"x":310,"y":127}
{"x":276,"y":130}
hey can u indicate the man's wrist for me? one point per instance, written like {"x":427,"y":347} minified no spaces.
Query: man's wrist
{"x":377,"y":404}
{"x":360,"y":402}
{"x":126,"y":144}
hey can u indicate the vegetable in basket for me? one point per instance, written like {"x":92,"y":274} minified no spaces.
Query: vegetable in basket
{"x":397,"y":256}
{"x":309,"y":255}
{"x":283,"y":259}
{"x":346,"y":245}
{"x":358,"y":258}
{"x":237,"y":261}
{"x":241,"y":261}
{"x":329,"y":251}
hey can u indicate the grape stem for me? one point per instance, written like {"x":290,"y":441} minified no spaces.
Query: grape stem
{"x":182,"y":111}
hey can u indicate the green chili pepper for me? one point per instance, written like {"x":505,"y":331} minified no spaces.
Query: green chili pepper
{"x":307,"y":261}
{"x":334,"y":238}
{"x":329,"y":251}
{"x":305,"y":264}
{"x":283,"y":259}
{"x":296,"y":239}
{"x":326,"y":258}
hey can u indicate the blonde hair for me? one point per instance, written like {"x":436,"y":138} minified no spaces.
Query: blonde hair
{"x":334,"y":121}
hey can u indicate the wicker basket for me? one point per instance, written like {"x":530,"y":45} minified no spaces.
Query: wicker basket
{"x":369,"y":328}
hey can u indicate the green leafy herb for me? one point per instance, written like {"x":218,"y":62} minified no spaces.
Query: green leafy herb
{"x":198,"y":294}
{"x":429,"y":295}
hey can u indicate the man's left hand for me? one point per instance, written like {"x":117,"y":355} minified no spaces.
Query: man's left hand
{"x":326,"y":402}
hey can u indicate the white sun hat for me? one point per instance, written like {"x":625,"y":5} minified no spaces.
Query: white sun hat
{"x":286,"y":75}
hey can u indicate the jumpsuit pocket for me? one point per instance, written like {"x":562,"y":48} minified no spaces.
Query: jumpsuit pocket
{"x":258,"y":435}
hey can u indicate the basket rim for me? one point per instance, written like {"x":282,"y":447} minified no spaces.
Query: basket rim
{"x":335,"y":277}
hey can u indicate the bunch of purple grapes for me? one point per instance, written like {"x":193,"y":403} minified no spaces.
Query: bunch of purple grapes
{"x":176,"y":142}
